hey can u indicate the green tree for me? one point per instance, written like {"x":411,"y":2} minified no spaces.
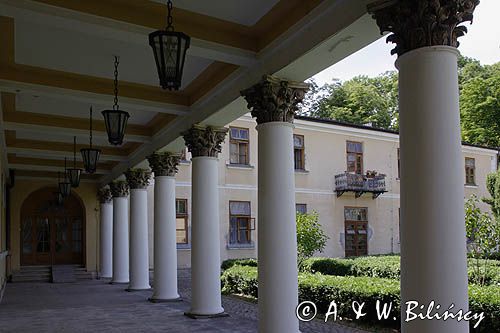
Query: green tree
{"x":493,"y":186}
{"x":310,"y":237}
{"x":364,"y":100}
{"x":483,"y":234}
{"x":361,"y":100}
{"x":480,"y":107}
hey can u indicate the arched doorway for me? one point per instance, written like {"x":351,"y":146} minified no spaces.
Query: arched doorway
{"x":52,"y":234}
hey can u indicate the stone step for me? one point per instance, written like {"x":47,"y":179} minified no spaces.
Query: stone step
{"x":34,"y":268}
{"x":30,"y":279}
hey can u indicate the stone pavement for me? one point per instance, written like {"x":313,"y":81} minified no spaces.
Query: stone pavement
{"x":96,"y":306}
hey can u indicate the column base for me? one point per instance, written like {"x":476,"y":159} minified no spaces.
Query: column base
{"x":201,"y":316}
{"x":114,"y":282}
{"x":164,"y":300}
{"x":137,"y":289}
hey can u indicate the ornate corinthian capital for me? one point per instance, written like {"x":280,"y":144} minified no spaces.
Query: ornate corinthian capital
{"x":273,"y":99}
{"x":138,"y":178}
{"x":104,"y":195}
{"x":205,"y":140}
{"x":416,"y":24}
{"x":119,"y":188}
{"x":164,"y":164}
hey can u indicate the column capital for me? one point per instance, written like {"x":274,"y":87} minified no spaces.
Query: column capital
{"x":416,"y":24}
{"x":164,"y":164}
{"x":204,"y":140}
{"x":104,"y":195}
{"x":273,"y":99}
{"x":138,"y":178}
{"x":119,"y":188}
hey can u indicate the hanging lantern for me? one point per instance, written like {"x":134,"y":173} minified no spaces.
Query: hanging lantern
{"x":90,"y":155}
{"x":74,"y":173}
{"x":65,"y":185}
{"x":59,"y":199}
{"x":169,"y":49}
{"x":116,"y":119}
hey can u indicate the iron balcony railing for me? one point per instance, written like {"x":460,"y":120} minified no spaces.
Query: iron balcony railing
{"x":351,"y":182}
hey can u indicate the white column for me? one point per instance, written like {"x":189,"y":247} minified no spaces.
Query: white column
{"x":165,"y":244}
{"x":433,"y":250}
{"x":120,"y":240}
{"x":277,"y":246}
{"x":139,"y":256}
{"x":106,"y":240}
{"x":205,"y":246}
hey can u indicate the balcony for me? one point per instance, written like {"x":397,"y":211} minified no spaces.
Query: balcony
{"x":372,"y":182}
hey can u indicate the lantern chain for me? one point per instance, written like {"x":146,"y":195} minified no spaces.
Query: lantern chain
{"x":169,"y":16}
{"x":74,"y":152}
{"x":90,"y":127}
{"x":117,"y":62}
{"x":65,"y":170}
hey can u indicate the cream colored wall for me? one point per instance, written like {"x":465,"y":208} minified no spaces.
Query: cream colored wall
{"x":87,"y":193}
{"x":324,"y":158}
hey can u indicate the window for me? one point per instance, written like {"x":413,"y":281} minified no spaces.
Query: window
{"x":356,"y":231}
{"x":399,"y":165}
{"x":239,"y":146}
{"x":184,"y":155}
{"x":301,"y":208}
{"x":354,"y":152}
{"x":240,"y":222}
{"x":470,"y":171}
{"x":181,"y":221}
{"x":298,"y":152}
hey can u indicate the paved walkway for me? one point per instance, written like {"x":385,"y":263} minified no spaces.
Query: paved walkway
{"x":96,"y":306}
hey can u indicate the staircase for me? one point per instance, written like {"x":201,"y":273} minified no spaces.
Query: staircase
{"x":33,"y":274}
{"x":65,"y":273}
{"x":82,"y":274}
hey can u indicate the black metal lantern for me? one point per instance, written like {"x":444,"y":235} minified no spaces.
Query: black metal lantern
{"x":116,"y":119}
{"x":65,"y":185}
{"x":59,"y":199}
{"x":169,"y":49}
{"x":90,"y":155}
{"x":74,"y":173}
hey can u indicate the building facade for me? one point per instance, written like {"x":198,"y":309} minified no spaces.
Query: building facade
{"x":323,"y":149}
{"x":356,"y":222}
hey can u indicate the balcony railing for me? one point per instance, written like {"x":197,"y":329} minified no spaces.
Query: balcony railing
{"x":370,"y":183}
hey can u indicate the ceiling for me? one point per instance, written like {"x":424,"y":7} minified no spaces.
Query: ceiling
{"x":56,"y":61}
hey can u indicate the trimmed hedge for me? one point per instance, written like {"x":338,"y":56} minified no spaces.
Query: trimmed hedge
{"x":486,"y":299}
{"x":384,"y":267}
{"x":323,"y":289}
{"x":226,"y":264}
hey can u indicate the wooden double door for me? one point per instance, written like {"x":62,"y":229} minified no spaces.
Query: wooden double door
{"x":52,"y":234}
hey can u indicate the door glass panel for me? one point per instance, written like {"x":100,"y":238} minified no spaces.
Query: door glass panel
{"x":77,"y":235}
{"x":62,"y":243}
{"x":43,"y":235}
{"x":27,"y":235}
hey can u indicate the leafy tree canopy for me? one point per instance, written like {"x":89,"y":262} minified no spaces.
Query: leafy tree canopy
{"x":374,"y":101}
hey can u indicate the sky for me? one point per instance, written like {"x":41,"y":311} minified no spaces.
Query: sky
{"x":482,"y":42}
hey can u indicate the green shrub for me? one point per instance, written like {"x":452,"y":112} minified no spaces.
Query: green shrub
{"x":226,"y":264}
{"x":240,"y":280}
{"x":328,"y":266}
{"x":487,"y":274}
{"x":485,"y":299}
{"x":389,"y":267}
{"x":322,"y":289}
{"x":383,"y":267}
